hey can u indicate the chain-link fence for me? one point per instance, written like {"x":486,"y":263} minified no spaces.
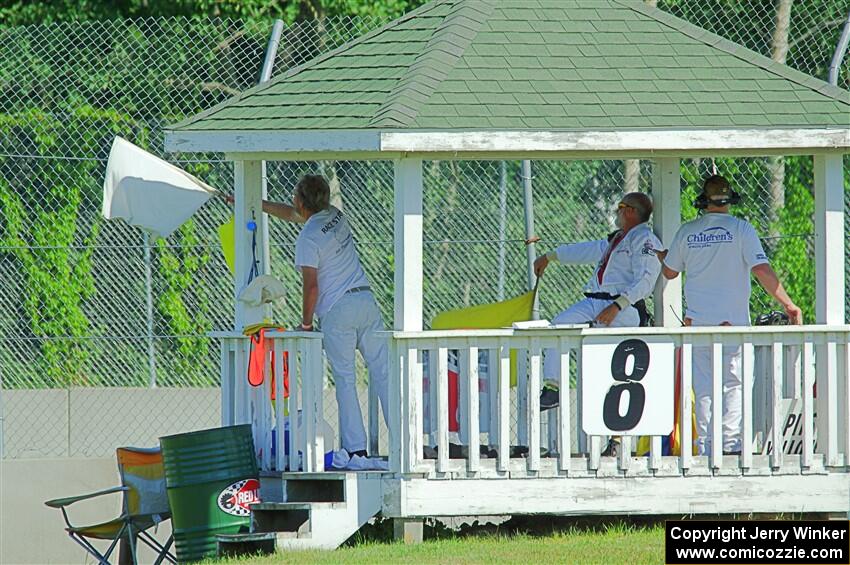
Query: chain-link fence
{"x":91,"y":308}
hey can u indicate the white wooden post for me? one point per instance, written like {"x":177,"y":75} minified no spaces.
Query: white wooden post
{"x":667,"y":198}
{"x":829,"y":284}
{"x":829,"y":239}
{"x":408,"y":245}
{"x":249,"y":194}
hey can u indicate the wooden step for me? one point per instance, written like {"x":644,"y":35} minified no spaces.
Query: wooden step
{"x":238,"y":545}
{"x":314,"y":487}
{"x":264,"y":543}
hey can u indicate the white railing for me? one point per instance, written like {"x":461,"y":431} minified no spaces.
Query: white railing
{"x":789,"y":360}
{"x":287,"y":430}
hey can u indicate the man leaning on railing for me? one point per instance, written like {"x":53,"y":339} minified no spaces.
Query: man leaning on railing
{"x":718,"y":252}
{"x":336,"y":290}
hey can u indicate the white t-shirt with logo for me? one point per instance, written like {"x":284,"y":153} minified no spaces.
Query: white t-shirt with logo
{"x":716,"y":252}
{"x":325,"y":243}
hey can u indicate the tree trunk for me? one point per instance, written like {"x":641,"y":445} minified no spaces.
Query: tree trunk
{"x":776,"y":165}
{"x":631,"y":175}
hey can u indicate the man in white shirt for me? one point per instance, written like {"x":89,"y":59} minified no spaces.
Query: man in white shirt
{"x":718,"y":252}
{"x":335,"y":289}
{"x":625,"y":275}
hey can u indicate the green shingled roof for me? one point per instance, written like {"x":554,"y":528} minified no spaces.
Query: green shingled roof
{"x":534,"y":65}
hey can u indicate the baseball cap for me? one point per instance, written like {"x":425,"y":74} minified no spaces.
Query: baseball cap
{"x":716,"y":187}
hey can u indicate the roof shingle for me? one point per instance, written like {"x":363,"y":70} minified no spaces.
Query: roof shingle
{"x":534,"y":64}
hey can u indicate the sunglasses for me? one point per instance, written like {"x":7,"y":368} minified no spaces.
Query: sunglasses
{"x":622,"y":205}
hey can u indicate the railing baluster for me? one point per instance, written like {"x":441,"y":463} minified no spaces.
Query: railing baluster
{"x":313,"y":411}
{"x":374,"y":431}
{"x":240,"y":384}
{"x":686,"y":412}
{"x":279,"y":405}
{"x":716,"y":403}
{"x":413,"y":386}
{"x":504,"y":405}
{"x":493,"y":396}
{"x":397,"y":430}
{"x":521,"y":395}
{"x":534,"y":406}
{"x":319,"y":405}
{"x":440,"y":381}
{"x":551,"y":430}
{"x":831,"y":400}
{"x":776,"y":401}
{"x":846,"y":343}
{"x":564,"y":437}
{"x":429,"y":409}
{"x":472,"y":410}
{"x":265,"y":412}
{"x":655,"y":453}
{"x":808,"y":401}
{"x":624,"y":454}
{"x":296,"y":367}
{"x":227,"y":374}
{"x":747,"y":377}
{"x":307,"y":405}
{"x":463,"y":393}
{"x":581,"y":438}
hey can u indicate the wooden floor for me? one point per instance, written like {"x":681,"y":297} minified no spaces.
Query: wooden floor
{"x":638,"y":490}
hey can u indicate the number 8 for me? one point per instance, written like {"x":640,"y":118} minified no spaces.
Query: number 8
{"x":637,"y":394}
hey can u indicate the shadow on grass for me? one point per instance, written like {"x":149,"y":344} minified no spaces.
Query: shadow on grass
{"x":380,"y":530}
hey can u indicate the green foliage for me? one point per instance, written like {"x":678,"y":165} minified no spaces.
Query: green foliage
{"x":792,"y":259}
{"x":183,"y":300}
{"x":44,"y":228}
{"x":26,"y":12}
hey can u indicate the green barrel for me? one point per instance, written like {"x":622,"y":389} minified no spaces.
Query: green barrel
{"x":212,"y":478}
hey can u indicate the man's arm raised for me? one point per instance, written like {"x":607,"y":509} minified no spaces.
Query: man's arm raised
{"x":282,"y":211}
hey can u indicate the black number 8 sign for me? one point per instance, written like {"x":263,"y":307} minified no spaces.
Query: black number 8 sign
{"x":639,"y":352}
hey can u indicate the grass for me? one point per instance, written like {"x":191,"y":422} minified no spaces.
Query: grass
{"x":615,"y":543}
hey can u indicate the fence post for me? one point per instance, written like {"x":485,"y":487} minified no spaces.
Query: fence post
{"x":149,"y":304}
{"x":530,"y":249}
{"x":840,"y":51}
{"x":503,"y":211}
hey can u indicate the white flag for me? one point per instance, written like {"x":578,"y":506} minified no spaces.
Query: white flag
{"x":148,"y":192}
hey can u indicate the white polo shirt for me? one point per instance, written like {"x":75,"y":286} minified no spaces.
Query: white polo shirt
{"x":631,"y":269}
{"x":716,"y":252}
{"x":325,"y":243}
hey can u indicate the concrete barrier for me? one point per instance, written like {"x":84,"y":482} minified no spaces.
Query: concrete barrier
{"x":30,"y":532}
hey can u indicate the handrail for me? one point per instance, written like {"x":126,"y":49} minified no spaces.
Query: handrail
{"x":291,"y":428}
{"x":784,"y":358}
{"x":583,"y":330}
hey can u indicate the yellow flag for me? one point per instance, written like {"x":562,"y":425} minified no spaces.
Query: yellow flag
{"x":489,"y":316}
{"x":486,"y":316}
{"x":226,"y":236}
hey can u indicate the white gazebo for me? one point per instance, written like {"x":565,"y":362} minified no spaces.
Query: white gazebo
{"x":477,"y":79}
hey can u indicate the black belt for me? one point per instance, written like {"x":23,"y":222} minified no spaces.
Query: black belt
{"x":640,"y":306}
{"x":602,"y":295}
{"x":357,"y":289}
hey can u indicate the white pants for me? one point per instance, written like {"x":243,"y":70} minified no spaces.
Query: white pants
{"x":352,"y":323}
{"x":732,"y":397}
{"x":582,"y":312}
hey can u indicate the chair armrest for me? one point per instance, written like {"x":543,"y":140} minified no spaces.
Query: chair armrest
{"x":63,"y":502}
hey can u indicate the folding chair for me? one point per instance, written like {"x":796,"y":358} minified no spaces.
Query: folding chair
{"x":145,"y":504}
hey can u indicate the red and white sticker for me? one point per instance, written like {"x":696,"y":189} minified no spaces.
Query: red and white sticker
{"x":238,"y":497}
